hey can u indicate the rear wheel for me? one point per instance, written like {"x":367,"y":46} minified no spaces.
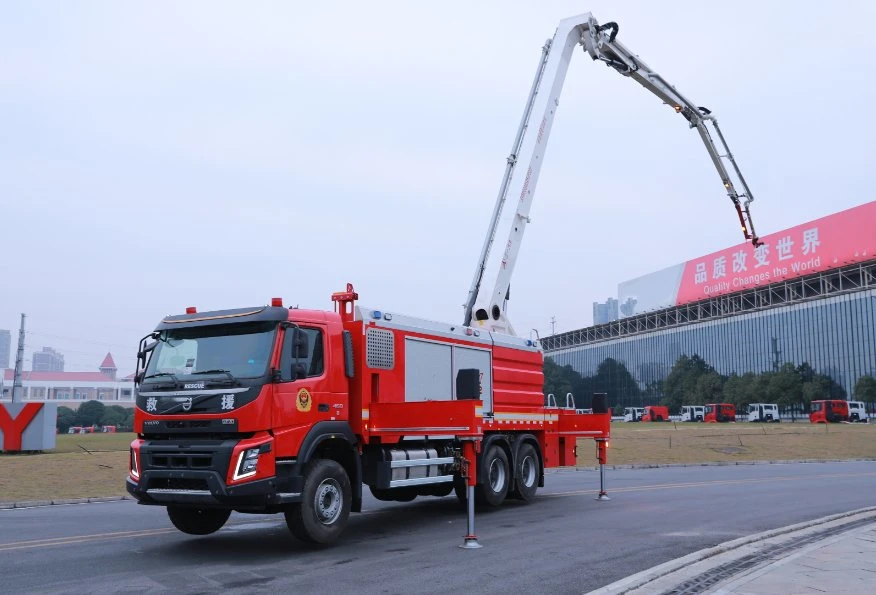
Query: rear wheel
{"x":526,"y":473}
{"x":197,"y":521}
{"x":495,"y":478}
{"x":325,"y":503}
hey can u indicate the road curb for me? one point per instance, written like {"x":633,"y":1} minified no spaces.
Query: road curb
{"x":642,"y":579}
{"x":61,"y":501}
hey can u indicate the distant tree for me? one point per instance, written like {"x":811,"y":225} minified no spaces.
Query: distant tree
{"x":653,"y":392}
{"x":819,"y":388}
{"x":759,"y":391}
{"x":66,"y":418}
{"x":113,"y":415}
{"x":740,"y":390}
{"x":834,"y":389}
{"x":680,"y":385}
{"x":709,"y":388}
{"x":785,"y":386}
{"x":806,"y":372}
{"x":559,"y":380}
{"x":128,"y":424}
{"x":865,"y":389}
{"x":614,"y":379}
{"x":90,"y":413}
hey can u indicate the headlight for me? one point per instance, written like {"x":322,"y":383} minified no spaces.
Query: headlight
{"x":135,"y":468}
{"x":247,"y":463}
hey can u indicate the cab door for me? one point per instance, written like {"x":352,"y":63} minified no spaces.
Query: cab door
{"x":302,"y":395}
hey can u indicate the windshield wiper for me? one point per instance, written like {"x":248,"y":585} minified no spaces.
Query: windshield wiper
{"x":157,"y":374}
{"x":216,"y":371}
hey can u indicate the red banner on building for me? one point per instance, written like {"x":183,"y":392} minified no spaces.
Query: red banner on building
{"x":834,"y":241}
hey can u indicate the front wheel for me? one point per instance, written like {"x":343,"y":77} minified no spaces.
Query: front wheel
{"x":197,"y":521}
{"x":325,"y":503}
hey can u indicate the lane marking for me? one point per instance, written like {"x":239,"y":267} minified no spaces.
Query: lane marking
{"x":23,"y":545}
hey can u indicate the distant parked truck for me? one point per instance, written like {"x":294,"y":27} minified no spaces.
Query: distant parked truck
{"x":857,"y":412}
{"x":765,"y":412}
{"x":719,"y":412}
{"x":829,"y":411}
{"x":692,"y":413}
{"x":656,"y":413}
{"x":81,"y":430}
{"x":633,"y":413}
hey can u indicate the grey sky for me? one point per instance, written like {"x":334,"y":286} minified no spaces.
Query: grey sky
{"x":162,"y":154}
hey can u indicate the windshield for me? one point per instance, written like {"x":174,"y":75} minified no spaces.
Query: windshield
{"x":242,"y":350}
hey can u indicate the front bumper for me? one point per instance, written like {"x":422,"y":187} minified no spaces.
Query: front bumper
{"x":207,"y":489}
{"x":193,"y":472}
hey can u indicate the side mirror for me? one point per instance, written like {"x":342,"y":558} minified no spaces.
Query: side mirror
{"x":141,"y":355}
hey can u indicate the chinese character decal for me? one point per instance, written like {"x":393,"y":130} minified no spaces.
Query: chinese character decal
{"x":700,"y":276}
{"x":810,"y":241}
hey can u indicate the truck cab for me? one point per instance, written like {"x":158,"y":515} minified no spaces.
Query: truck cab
{"x":765,"y":412}
{"x":857,"y":412}
{"x":692,"y":413}
{"x":720,"y":413}
{"x":633,"y":413}
{"x":655,"y":413}
{"x":829,"y":411}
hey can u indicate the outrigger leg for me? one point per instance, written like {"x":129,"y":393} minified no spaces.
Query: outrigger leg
{"x":601,"y":455}
{"x":471,"y":540}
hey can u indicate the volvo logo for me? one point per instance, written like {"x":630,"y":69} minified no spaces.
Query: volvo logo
{"x":187,"y":404}
{"x":194,"y":386}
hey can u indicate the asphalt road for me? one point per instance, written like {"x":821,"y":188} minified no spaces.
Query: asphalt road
{"x":564,"y":542}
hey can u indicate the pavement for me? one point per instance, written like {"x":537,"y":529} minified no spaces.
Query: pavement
{"x":834,"y":554}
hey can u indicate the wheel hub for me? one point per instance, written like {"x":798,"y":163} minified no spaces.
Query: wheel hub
{"x":497,"y":475}
{"x":328,"y":501}
{"x":527,"y":471}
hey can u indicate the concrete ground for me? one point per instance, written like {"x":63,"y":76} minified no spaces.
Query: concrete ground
{"x":835,"y":554}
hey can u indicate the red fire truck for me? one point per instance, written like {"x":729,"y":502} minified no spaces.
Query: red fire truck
{"x":829,"y":411}
{"x":720,"y":412}
{"x":271,"y":409}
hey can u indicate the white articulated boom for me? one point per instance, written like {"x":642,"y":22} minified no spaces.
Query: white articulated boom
{"x":599,"y":41}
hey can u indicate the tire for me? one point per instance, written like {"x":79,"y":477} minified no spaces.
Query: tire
{"x":325,"y":503}
{"x":659,"y":418}
{"x":526,"y":471}
{"x":494,"y":477}
{"x":197,"y":521}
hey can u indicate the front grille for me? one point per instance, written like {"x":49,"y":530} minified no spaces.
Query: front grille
{"x":188,"y":460}
{"x":175,"y":483}
{"x":181,"y":425}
